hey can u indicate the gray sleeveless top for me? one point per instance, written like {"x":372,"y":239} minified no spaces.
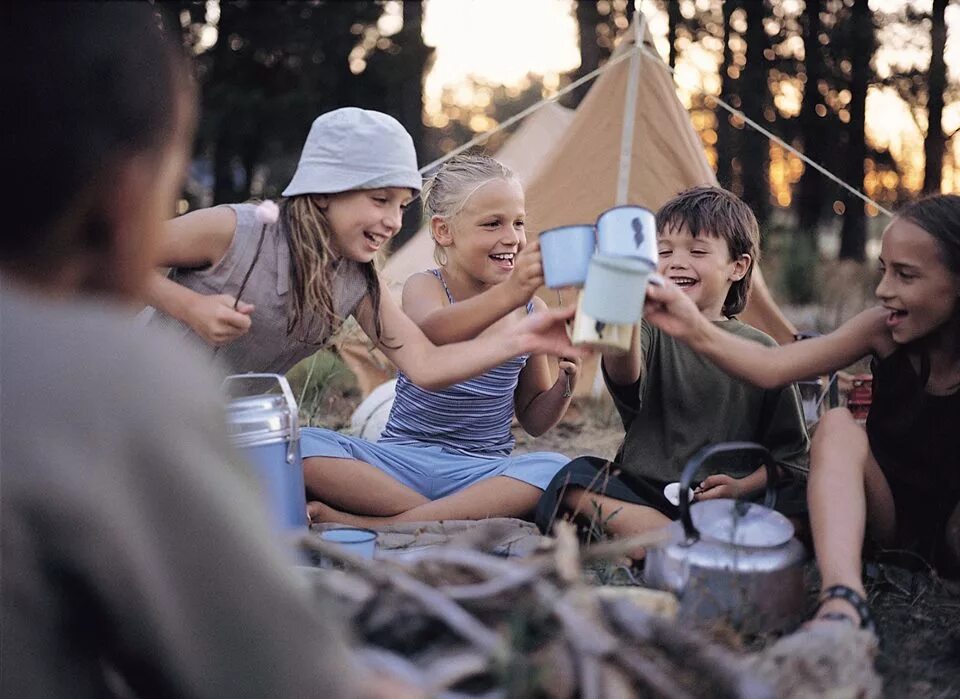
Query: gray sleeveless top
{"x":266,"y":347}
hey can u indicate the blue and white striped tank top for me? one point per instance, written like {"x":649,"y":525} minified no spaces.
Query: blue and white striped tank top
{"x":471,"y":417}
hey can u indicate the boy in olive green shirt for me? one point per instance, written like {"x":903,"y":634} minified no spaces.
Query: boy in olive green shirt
{"x":673,"y":401}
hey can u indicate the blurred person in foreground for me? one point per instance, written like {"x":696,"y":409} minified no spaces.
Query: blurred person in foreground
{"x":136,"y":560}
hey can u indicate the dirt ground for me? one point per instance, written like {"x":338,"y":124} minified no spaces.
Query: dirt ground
{"x":917,"y":613}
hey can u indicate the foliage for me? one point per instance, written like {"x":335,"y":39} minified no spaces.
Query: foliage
{"x":324,"y":389}
{"x":273,"y":68}
{"x":799,"y":267}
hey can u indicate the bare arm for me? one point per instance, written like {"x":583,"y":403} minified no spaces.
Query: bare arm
{"x":198,"y":239}
{"x":769,"y":367}
{"x":539,"y":401}
{"x":425,"y":302}
{"x":433,"y":367}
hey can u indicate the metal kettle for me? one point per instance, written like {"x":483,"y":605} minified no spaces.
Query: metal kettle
{"x":731,"y":559}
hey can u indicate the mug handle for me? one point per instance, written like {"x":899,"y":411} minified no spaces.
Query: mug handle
{"x":697,"y":460}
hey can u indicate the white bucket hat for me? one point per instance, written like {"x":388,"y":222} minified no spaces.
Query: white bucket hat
{"x":353,"y":148}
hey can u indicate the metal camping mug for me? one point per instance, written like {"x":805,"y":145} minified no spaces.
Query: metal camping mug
{"x":264,"y":427}
{"x":566,"y":253}
{"x":628,"y":231}
{"x":616,"y":288}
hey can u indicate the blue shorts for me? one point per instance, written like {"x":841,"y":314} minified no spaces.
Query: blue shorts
{"x":429,"y":469}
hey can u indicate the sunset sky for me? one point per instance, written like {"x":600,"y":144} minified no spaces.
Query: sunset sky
{"x":501,"y":41}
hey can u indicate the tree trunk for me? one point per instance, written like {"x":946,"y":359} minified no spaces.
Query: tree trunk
{"x":223,"y":142}
{"x":811,"y":189}
{"x":411,"y":94}
{"x":853,"y":235}
{"x":728,"y":87}
{"x":588,"y":17}
{"x":933,"y":143}
{"x":409,"y":99}
{"x":755,"y":96}
{"x":674,"y":20}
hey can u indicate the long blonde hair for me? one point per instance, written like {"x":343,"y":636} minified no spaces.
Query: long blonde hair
{"x":446,"y":193}
{"x":313,"y":265}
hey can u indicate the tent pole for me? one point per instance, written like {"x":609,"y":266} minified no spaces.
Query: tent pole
{"x":630,"y":111}
{"x":626,"y":139}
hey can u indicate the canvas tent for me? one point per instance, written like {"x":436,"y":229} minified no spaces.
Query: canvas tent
{"x":629,"y":141}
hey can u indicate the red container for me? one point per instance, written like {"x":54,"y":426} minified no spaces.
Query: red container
{"x":860,"y":396}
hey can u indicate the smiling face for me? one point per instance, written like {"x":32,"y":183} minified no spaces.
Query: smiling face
{"x":917,"y":288}
{"x":363,"y":220}
{"x":483,"y":238}
{"x":700,"y":266}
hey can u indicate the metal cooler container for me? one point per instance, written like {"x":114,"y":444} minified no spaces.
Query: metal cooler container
{"x":264,"y":426}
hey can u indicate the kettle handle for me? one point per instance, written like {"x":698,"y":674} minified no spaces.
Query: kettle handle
{"x":709,"y":451}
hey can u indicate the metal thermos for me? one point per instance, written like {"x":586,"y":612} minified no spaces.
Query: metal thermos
{"x":263,"y":425}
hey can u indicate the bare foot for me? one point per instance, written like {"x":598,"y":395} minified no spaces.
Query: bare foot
{"x":320,"y":513}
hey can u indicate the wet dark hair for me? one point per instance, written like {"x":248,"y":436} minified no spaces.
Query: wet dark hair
{"x":713,"y":211}
{"x":84,"y":85}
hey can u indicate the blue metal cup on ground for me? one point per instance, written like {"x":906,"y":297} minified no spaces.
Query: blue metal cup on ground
{"x":264,"y":427}
{"x":628,"y":231}
{"x":360,"y":542}
{"x":566,"y":253}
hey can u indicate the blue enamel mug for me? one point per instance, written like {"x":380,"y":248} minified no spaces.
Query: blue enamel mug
{"x":566,"y":253}
{"x":616,"y":288}
{"x":628,"y":231}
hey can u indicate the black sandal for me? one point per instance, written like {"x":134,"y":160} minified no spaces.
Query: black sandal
{"x":855,"y":600}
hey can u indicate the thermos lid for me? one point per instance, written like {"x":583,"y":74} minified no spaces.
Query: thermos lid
{"x":256,"y":420}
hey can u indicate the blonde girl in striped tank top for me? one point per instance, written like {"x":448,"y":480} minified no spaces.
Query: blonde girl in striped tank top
{"x":268,"y":296}
{"x":445,"y":454}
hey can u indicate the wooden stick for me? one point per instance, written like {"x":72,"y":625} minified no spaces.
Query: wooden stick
{"x":727,"y":673}
{"x":649,"y":674}
{"x":432,"y":601}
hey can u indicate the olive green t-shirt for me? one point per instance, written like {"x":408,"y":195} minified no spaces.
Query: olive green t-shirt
{"x":683,"y":402}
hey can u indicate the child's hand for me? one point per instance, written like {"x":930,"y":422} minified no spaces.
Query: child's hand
{"x":545,"y":332}
{"x":569,"y":372}
{"x":527,"y":275}
{"x":670,"y":309}
{"x":718,"y":485}
{"x":214,"y":319}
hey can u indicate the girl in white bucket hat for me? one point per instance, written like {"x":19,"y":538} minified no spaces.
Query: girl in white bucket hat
{"x":269,"y":286}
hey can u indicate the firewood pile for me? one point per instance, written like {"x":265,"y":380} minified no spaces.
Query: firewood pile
{"x":455,"y":621}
